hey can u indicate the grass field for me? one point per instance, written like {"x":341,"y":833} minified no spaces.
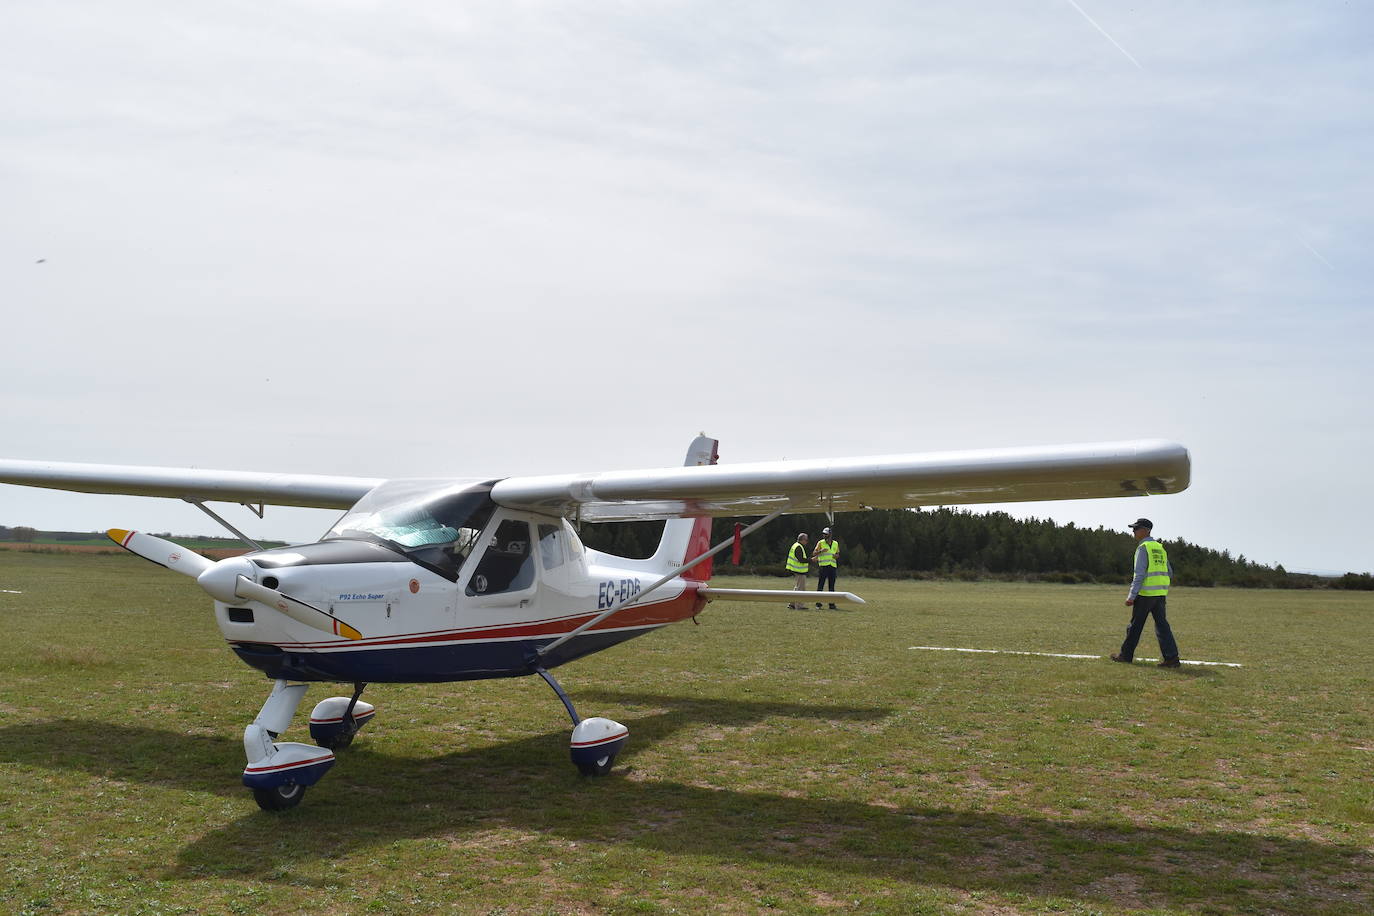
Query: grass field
{"x":779,"y":761}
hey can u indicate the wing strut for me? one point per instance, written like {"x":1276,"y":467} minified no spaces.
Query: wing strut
{"x":665,"y":580}
{"x":237,"y":533}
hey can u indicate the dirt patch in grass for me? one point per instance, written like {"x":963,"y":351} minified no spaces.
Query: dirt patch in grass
{"x":1122,"y":889}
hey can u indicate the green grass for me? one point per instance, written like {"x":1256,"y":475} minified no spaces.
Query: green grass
{"x":779,"y":761}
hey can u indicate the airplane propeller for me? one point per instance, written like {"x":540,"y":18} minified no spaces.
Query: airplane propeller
{"x":228,"y":580}
{"x":163,"y":553}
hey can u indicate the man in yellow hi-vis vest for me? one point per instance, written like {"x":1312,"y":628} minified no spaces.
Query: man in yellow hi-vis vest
{"x":797,"y":564}
{"x":827,"y":557}
{"x":1149,"y":589}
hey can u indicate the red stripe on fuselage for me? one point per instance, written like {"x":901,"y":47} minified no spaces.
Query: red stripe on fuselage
{"x":686,"y":605}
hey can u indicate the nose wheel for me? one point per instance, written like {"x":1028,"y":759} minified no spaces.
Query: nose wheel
{"x":279,"y":798}
{"x":278,"y":772}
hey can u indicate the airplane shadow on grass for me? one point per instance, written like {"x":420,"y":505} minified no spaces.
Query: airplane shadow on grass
{"x":372,"y":799}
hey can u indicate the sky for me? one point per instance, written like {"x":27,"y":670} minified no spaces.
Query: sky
{"x":504,"y":238}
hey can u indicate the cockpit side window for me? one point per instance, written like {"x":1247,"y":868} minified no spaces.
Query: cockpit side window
{"x":550,"y":546}
{"x":507,"y":565}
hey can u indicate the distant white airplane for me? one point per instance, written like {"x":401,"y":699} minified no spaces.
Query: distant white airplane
{"x":428,"y":580}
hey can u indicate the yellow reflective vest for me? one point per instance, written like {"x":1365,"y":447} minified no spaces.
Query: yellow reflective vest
{"x":827,"y":552}
{"x":1156,"y":580}
{"x":793,"y":564}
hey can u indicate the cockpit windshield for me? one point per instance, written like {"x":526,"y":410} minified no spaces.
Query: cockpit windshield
{"x":436,"y":523}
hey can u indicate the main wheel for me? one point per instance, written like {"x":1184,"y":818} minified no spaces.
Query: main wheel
{"x":338,"y":741}
{"x":279,"y":798}
{"x":599,"y":767}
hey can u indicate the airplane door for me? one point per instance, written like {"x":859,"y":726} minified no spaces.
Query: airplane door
{"x":505,"y":573}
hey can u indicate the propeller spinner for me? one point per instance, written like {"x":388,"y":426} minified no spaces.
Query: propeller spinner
{"x":228,"y":580}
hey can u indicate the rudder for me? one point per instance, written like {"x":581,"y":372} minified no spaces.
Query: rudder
{"x":689,"y":537}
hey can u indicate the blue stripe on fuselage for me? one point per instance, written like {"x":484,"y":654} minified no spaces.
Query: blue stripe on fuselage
{"x":467,"y":661}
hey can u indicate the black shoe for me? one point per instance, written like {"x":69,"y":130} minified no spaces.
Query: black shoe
{"x":1170,"y":663}
{"x":832,"y":607}
{"x":1116,"y":657}
{"x":818,"y":605}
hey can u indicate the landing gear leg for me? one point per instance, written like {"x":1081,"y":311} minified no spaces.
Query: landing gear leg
{"x":595,"y":741}
{"x":279,"y":772}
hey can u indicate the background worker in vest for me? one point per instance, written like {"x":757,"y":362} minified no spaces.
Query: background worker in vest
{"x":1149,"y":589}
{"x":827,"y":557}
{"x":798,"y":564}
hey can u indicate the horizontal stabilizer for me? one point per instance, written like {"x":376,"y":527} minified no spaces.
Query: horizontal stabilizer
{"x":777,"y":594}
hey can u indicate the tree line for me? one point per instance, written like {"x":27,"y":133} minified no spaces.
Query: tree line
{"x":942,"y":543}
{"x":962,"y":544}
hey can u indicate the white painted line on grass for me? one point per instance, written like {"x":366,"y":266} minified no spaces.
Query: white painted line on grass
{"x":1186,"y":661}
{"x":1002,"y":652}
{"x":10,"y":591}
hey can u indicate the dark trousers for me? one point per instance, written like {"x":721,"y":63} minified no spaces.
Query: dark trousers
{"x":827,"y":574}
{"x":1144,"y":606}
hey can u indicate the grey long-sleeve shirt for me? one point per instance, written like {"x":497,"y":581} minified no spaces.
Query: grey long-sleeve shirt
{"x":1142,"y":563}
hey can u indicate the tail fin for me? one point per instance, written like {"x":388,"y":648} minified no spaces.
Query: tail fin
{"x":684,"y":538}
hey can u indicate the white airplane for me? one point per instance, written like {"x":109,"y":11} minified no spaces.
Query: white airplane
{"x":429,"y":580}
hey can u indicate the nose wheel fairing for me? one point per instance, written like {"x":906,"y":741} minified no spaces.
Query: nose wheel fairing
{"x":288,"y":764}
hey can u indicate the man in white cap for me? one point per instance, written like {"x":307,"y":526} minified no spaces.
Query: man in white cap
{"x":1147,"y":597}
{"x":827,"y":557}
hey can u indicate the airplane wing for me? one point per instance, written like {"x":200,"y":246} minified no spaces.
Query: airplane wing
{"x":1134,"y":468}
{"x":248,"y":487}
